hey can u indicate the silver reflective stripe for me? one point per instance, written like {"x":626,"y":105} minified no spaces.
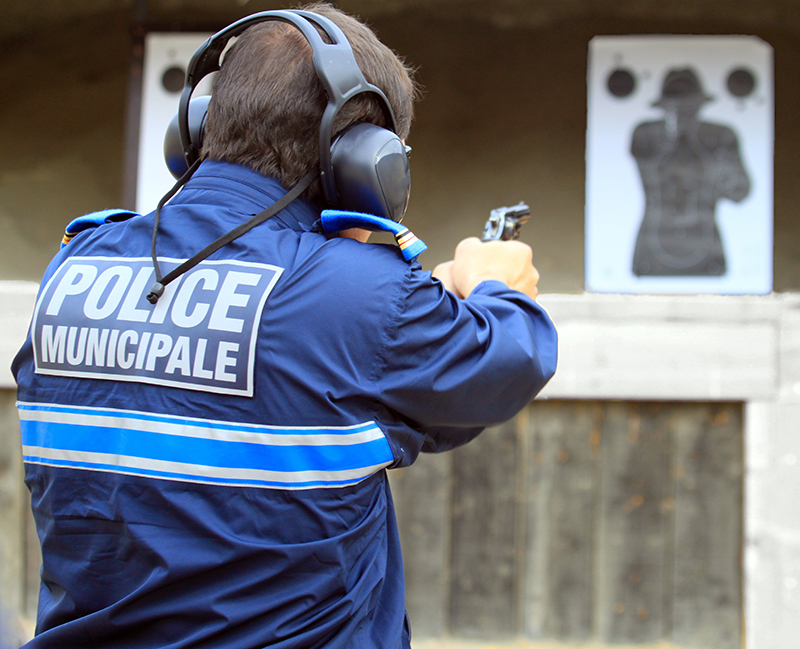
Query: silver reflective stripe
{"x":196,"y":473}
{"x":201,"y":450}
{"x":252,"y":434}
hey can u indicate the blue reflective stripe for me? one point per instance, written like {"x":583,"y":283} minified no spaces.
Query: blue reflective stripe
{"x":206,"y":452}
{"x":201,"y":450}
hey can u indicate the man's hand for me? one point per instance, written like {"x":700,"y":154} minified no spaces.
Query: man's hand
{"x":509,"y":262}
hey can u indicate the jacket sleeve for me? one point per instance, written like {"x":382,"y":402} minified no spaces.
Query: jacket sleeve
{"x":455,"y":366}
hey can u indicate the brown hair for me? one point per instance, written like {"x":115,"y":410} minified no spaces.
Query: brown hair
{"x":267,"y":104}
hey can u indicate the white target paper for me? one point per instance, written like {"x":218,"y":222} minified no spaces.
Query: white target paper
{"x":166,"y":57}
{"x":679,"y":165}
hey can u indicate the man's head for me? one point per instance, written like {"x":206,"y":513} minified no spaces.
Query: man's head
{"x":682,"y":93}
{"x":268,"y":102}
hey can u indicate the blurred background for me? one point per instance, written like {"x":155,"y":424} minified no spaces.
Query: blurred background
{"x":649,"y":497}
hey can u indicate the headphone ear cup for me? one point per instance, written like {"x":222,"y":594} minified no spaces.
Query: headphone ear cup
{"x":371,"y":171}
{"x":174,"y":148}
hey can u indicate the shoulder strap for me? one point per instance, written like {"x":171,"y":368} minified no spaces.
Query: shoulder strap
{"x":333,"y":221}
{"x":94,"y":220}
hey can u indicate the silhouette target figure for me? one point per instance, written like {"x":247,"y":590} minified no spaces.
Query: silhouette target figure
{"x":686,"y":166}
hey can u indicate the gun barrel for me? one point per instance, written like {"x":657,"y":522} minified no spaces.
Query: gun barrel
{"x":504,"y":222}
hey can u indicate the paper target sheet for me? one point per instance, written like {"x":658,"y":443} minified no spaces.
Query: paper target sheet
{"x":679,"y":165}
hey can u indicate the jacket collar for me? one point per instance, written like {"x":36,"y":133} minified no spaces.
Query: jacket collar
{"x":247,"y":191}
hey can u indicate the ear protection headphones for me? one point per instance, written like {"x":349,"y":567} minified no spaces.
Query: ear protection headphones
{"x":364,"y":170}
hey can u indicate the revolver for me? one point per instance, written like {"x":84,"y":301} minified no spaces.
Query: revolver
{"x":504,"y":223}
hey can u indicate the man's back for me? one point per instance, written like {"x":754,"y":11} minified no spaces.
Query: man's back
{"x":185,"y":517}
{"x":212,"y":472}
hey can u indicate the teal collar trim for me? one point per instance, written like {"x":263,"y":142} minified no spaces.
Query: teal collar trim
{"x":334,"y":221}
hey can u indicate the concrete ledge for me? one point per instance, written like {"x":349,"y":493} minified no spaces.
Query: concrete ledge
{"x":616,"y":346}
{"x":667,"y":308}
{"x":672,"y":347}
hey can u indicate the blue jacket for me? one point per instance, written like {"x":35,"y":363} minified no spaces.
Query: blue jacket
{"x":210,"y":472}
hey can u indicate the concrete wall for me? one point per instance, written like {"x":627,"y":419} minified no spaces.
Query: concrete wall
{"x":62,"y":136}
{"x":503,"y":119}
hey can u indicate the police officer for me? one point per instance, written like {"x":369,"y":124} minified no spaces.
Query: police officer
{"x":208,"y":466}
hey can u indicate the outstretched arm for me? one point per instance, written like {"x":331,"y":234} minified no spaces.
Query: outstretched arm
{"x":457,"y":364}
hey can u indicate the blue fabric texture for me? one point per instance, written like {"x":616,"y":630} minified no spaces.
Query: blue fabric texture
{"x":211,"y":471}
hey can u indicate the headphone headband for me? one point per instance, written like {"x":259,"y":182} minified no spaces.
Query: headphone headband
{"x":334,"y":63}
{"x":372,"y":161}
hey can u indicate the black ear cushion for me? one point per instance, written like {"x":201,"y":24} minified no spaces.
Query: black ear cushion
{"x":371,"y":170}
{"x":173,"y":147}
